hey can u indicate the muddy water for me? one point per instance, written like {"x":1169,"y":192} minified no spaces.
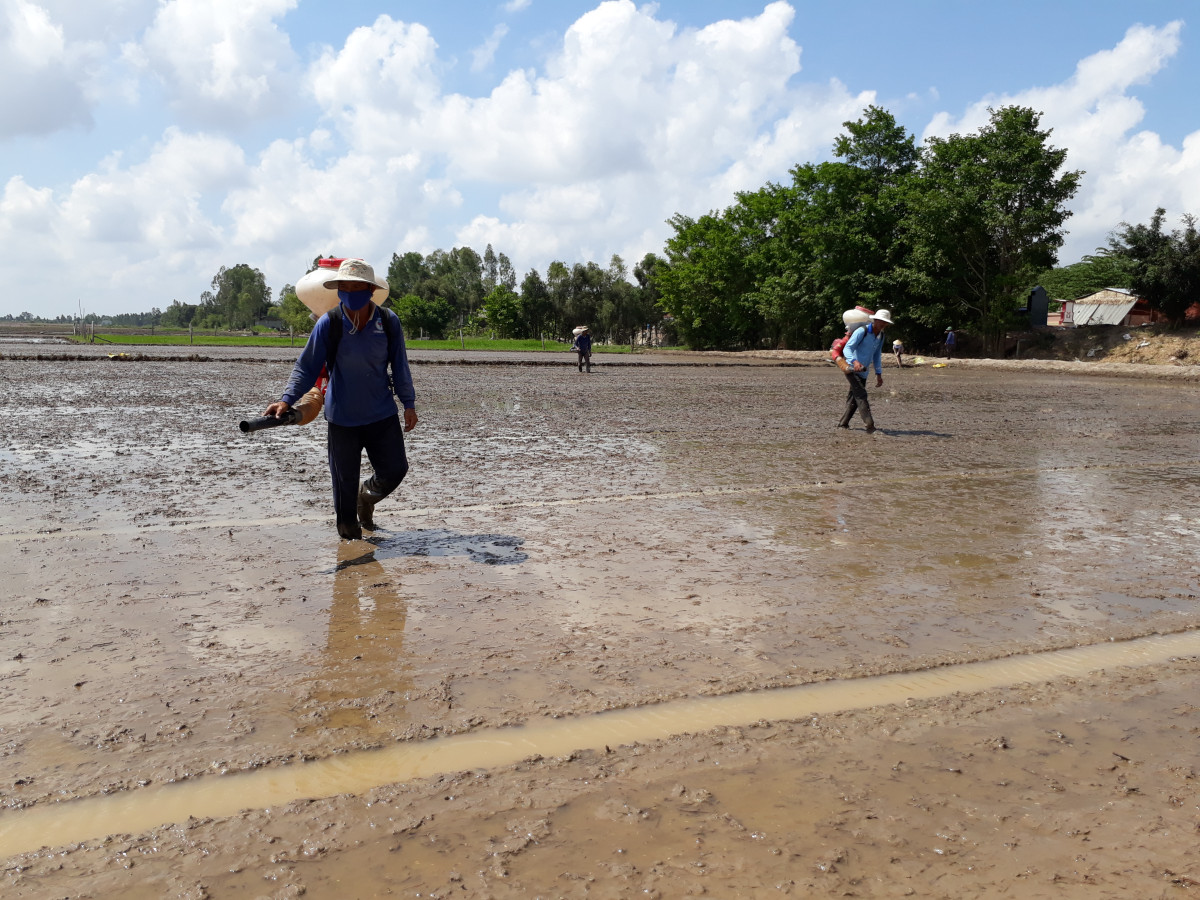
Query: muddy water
{"x":137,"y":811}
{"x":176,"y":602}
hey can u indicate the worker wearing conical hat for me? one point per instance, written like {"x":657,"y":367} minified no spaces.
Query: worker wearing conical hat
{"x":358,"y":342}
{"x":864,"y":348}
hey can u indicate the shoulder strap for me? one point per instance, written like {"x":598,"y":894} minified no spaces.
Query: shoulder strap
{"x":391,"y":324}
{"x":333,"y":338}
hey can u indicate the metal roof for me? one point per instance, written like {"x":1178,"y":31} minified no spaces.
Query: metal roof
{"x":1107,"y":307}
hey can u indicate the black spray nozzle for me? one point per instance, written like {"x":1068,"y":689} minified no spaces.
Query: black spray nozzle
{"x":291,"y":417}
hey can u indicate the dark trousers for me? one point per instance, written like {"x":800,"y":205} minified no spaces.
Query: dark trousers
{"x":384,"y":443}
{"x":856,"y":401}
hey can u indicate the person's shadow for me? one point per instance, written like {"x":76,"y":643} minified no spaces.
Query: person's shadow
{"x":897,"y":432}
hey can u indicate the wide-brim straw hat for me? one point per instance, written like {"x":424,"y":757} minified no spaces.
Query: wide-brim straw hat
{"x":883,"y":315}
{"x":356,"y":270}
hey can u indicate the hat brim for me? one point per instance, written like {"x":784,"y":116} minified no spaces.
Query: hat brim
{"x":380,"y":283}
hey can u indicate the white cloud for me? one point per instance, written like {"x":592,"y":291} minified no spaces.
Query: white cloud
{"x":224,"y":62}
{"x":45,"y":80}
{"x":513,"y":6}
{"x":26,"y":210}
{"x":129,"y":234}
{"x":377,"y":87}
{"x":482,"y":56}
{"x":1094,"y":114}
{"x":109,"y":20}
{"x":633,"y":121}
{"x":630,"y":120}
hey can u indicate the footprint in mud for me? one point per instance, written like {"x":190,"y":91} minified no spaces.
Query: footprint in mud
{"x":491,"y":549}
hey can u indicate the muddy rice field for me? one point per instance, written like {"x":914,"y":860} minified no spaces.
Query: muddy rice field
{"x":659,"y":631}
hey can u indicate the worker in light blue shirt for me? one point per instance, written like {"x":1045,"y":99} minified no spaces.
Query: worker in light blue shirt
{"x":864,"y":349}
{"x":358,"y":342}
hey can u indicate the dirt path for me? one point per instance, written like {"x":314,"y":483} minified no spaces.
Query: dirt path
{"x":178,"y":607}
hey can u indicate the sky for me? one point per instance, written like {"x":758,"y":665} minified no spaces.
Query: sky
{"x":146,"y":143}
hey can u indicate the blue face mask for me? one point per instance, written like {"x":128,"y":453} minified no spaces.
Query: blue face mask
{"x":355,"y":300}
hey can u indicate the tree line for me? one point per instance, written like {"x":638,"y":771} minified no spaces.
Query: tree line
{"x":954,"y":233}
{"x":951,"y":234}
{"x":445,"y":291}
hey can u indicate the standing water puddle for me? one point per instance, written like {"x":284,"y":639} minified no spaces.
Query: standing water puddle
{"x":216,"y":796}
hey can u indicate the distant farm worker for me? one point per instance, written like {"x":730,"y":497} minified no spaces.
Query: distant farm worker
{"x":898,"y":350}
{"x":357,"y":342}
{"x":949,"y":342}
{"x":864,"y":348}
{"x":583,"y":347}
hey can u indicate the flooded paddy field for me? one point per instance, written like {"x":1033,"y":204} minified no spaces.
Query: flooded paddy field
{"x":206,"y":694}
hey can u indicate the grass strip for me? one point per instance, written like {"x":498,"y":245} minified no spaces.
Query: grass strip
{"x":261,"y":340}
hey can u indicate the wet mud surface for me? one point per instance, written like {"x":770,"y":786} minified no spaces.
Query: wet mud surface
{"x":177,"y":606}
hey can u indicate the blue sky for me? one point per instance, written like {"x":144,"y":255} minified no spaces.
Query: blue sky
{"x":146,"y":143}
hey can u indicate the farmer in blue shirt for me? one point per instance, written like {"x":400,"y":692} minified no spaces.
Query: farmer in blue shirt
{"x":359,"y":403}
{"x":583,"y":347}
{"x":949,"y":342}
{"x":864,"y":348}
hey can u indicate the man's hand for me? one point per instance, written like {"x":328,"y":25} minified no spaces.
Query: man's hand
{"x":410,"y":419}
{"x":277,"y":409}
{"x":878,"y":379}
{"x":858,"y":367}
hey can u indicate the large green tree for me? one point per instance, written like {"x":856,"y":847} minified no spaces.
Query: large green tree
{"x":179,"y":315}
{"x":706,"y":284}
{"x":1095,"y":272}
{"x":432,"y":316}
{"x":292,"y":311}
{"x":786,"y":260}
{"x":239,"y":295}
{"x":408,"y":274}
{"x":1164,"y":266}
{"x":987,"y":219}
{"x":457,"y":277}
{"x":537,"y":311}
{"x":502,"y":312}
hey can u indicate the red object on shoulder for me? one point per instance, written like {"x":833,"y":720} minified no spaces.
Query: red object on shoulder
{"x":330,"y":263}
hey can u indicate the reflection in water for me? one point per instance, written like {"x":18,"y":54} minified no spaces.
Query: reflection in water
{"x":363,"y":666}
{"x":364,"y":674}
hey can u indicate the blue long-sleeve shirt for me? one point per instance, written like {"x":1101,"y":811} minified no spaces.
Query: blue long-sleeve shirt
{"x":866,"y":347}
{"x":359,"y":391}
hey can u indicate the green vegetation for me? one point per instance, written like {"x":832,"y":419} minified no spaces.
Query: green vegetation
{"x":953,"y":233}
{"x":1164,"y":267}
{"x":1092,"y":273}
{"x":219,"y":340}
{"x":1161,"y":267}
{"x":198,"y":340}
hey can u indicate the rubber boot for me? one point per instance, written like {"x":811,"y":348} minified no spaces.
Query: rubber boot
{"x":366,"y":507}
{"x":349,"y":533}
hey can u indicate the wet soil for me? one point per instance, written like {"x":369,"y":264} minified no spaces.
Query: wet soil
{"x":177,"y":607}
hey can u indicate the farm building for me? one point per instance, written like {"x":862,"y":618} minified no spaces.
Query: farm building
{"x":1111,"y":306}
